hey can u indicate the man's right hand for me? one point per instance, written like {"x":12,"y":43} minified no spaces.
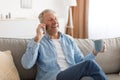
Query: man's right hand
{"x":39,"y":32}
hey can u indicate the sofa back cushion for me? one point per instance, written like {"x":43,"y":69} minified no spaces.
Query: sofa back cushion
{"x":8,"y":70}
{"x":110,"y":59}
{"x":17,"y":48}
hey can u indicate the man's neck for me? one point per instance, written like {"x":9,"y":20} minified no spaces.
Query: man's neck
{"x":55,"y":36}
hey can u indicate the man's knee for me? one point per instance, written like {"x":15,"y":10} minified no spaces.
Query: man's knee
{"x":87,"y":78}
{"x":93,"y":64}
{"x":90,"y":62}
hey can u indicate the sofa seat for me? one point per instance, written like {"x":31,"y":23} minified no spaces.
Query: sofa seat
{"x":113,"y":77}
{"x":109,"y":61}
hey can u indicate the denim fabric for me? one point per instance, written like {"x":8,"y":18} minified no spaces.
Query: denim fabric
{"x":87,"y":78}
{"x":44,"y":54}
{"x":81,"y":70}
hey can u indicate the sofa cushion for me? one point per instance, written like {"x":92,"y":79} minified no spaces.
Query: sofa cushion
{"x":8,"y":70}
{"x":113,"y":77}
{"x":110,"y":59}
{"x":18,"y":47}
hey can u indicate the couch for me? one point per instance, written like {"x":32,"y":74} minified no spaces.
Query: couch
{"x":109,"y":60}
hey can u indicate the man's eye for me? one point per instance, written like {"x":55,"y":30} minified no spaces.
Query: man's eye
{"x":50,"y":20}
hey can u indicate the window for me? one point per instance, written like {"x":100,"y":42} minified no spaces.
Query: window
{"x":104,"y":18}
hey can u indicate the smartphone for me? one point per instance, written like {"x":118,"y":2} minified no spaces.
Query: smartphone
{"x":44,"y":30}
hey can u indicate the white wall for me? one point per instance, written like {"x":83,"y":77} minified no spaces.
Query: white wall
{"x":18,"y":28}
{"x":104,"y":19}
{"x":22,"y":28}
{"x":14,"y":7}
{"x":24,"y":21}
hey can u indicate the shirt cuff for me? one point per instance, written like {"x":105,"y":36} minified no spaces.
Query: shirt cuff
{"x":33,"y":44}
{"x":90,"y":56}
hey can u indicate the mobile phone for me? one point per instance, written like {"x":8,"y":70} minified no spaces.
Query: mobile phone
{"x":44,"y":30}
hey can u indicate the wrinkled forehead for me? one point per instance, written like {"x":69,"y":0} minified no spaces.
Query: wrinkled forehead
{"x":49,"y":15}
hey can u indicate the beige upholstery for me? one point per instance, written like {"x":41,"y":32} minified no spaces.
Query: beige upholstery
{"x":8,"y":70}
{"x":109,"y":61}
{"x":17,"y":47}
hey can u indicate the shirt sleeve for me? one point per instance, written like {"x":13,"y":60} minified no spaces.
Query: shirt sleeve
{"x":89,"y":56}
{"x":78,"y":55}
{"x":30,"y":56}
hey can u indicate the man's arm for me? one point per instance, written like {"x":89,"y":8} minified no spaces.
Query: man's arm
{"x":80,"y":57}
{"x":30,"y":56}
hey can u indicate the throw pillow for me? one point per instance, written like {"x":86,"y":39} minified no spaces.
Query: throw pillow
{"x":8,"y":70}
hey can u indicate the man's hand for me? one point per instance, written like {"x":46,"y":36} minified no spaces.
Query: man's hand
{"x":104,"y":49}
{"x":39,"y":32}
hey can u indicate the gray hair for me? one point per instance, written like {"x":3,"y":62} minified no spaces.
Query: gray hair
{"x":43,"y":12}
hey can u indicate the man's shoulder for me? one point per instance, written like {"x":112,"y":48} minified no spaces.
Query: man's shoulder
{"x":66,"y":36}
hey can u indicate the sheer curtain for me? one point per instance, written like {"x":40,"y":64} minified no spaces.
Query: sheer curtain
{"x":104,"y":19}
{"x":80,"y":19}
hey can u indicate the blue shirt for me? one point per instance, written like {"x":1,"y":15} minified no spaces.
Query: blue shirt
{"x":44,"y":55}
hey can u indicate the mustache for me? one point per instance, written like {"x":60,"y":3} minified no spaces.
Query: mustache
{"x":56,"y":25}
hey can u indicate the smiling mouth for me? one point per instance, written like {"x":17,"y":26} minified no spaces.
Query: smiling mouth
{"x":55,"y":26}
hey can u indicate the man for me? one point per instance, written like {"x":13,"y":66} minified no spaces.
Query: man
{"x":56,"y":54}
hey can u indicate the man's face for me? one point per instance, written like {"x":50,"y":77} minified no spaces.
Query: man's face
{"x":52,"y":25}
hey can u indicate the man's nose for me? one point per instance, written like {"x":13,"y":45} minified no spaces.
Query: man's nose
{"x":55,"y":21}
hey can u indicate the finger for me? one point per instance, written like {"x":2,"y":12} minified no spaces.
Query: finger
{"x":42,"y":25}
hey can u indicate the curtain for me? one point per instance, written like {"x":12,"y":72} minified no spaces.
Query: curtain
{"x":80,"y":20}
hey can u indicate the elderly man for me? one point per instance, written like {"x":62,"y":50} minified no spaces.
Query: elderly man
{"x":56,"y":54}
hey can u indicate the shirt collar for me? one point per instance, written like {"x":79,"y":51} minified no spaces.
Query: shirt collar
{"x":48,"y":36}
